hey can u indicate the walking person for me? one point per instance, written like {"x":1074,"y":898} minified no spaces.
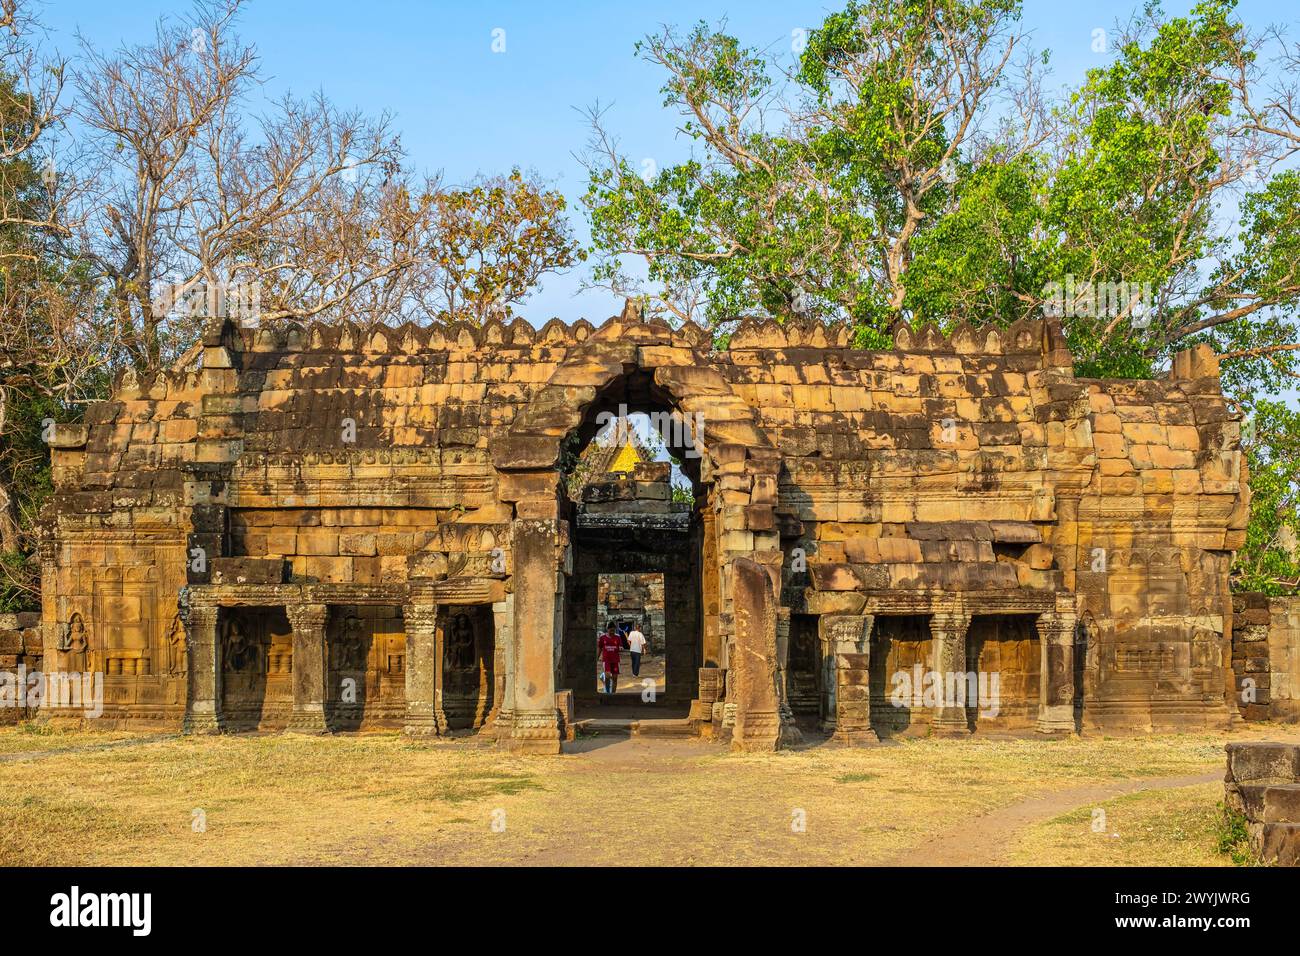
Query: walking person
{"x":636,"y":645}
{"x":609,"y":647}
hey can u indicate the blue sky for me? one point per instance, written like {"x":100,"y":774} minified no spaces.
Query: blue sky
{"x":463,"y":109}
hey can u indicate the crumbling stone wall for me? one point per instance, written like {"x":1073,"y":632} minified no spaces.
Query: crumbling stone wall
{"x":311,"y":469}
{"x":1263,"y":784}
{"x":1266,"y":656}
{"x":21,"y":653}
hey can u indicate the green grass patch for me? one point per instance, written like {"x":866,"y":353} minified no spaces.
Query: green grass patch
{"x":463,"y":788}
{"x":1234,"y":840}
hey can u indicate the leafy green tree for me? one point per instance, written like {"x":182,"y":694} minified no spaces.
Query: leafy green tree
{"x":1270,"y":561}
{"x":490,"y":244}
{"x":805,"y":198}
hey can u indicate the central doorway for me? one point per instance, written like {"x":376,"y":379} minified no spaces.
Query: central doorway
{"x":637,"y":517}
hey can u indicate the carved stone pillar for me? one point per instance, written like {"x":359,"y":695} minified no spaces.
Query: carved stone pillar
{"x":758,"y":725}
{"x":710,"y":586}
{"x":421,"y":622}
{"x":846,"y":641}
{"x":203,"y":694}
{"x":948,"y":637}
{"x":535,"y":723}
{"x":828,"y":683}
{"x":50,"y":590}
{"x":503,"y":613}
{"x":310,"y":669}
{"x":1056,"y":684}
{"x":783,"y":664}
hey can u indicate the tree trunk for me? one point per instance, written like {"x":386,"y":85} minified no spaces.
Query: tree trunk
{"x":8,"y":520}
{"x":8,"y":515}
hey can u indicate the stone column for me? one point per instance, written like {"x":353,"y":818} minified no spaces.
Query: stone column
{"x":1056,"y":678}
{"x":846,"y":639}
{"x":442,"y":625}
{"x":783,"y":663}
{"x":754,"y":668}
{"x":51,"y":586}
{"x":503,"y":614}
{"x":421,"y":622}
{"x":203,"y":644}
{"x":710,"y":586}
{"x":310,"y":670}
{"x":948,"y":637}
{"x":535,"y":724}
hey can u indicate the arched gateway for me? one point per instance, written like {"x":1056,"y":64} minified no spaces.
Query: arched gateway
{"x":368,"y":528}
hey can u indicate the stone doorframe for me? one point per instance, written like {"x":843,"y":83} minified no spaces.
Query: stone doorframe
{"x":736,"y":457}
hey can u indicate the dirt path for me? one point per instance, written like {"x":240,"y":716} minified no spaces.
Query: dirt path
{"x":88,"y":748}
{"x":984,"y":840}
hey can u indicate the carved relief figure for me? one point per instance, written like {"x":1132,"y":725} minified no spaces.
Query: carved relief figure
{"x":241,"y":651}
{"x":75,"y":643}
{"x":460,"y":645}
{"x":352,"y":645}
{"x":177,"y":660}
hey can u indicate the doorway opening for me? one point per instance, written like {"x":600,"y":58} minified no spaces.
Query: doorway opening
{"x":638,"y":520}
{"x":633,"y":604}
{"x":804,"y":667}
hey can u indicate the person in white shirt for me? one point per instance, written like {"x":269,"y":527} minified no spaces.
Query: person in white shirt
{"x":636,"y":644}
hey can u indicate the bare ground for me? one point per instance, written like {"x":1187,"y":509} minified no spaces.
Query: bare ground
{"x":69,"y":799}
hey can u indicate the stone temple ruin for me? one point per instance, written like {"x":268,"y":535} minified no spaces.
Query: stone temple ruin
{"x":329,"y":528}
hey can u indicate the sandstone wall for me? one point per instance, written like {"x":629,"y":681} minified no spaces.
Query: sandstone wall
{"x":1266,"y":656}
{"x":966,"y":475}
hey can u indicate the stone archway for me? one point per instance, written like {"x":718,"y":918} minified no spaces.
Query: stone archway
{"x":731,"y":434}
{"x":735,"y":455}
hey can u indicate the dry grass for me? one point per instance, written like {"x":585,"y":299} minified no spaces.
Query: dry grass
{"x":30,"y":737}
{"x":1152,"y":828}
{"x":383,"y":799}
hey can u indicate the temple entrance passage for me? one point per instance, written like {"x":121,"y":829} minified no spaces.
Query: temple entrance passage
{"x":668,"y":556}
{"x":637,"y":531}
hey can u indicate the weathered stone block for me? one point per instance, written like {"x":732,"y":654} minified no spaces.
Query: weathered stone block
{"x":1281,"y":804}
{"x":1280,"y":844}
{"x":248,"y":571}
{"x":1263,"y":762}
{"x":834,"y":577}
{"x":363,"y":545}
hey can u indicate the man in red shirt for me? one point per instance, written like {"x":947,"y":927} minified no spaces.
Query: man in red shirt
{"x":608,"y":647}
